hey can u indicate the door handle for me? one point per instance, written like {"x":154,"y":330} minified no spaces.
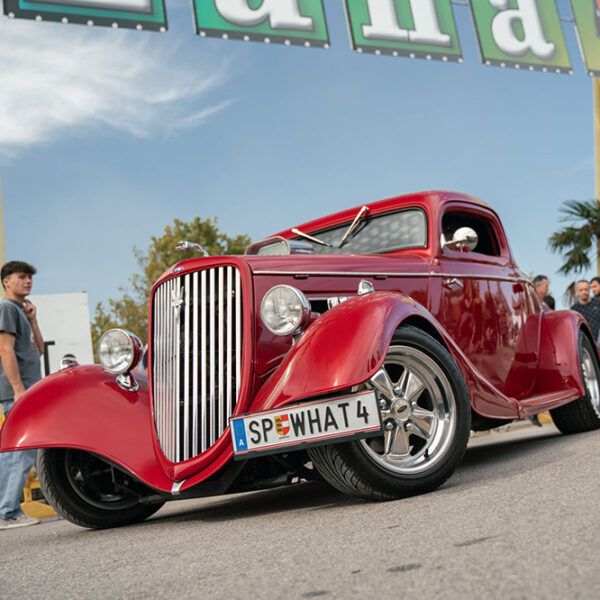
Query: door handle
{"x":452,"y":281}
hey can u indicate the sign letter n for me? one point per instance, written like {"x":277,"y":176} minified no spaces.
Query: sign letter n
{"x":300,"y":22}
{"x":522,"y":34}
{"x":415,"y":28}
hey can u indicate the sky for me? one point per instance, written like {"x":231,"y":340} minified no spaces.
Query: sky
{"x":108,"y":135}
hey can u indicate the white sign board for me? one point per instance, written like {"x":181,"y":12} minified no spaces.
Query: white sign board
{"x":64,"y":321}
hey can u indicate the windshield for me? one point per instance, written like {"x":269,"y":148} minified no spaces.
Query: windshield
{"x":376,"y":235}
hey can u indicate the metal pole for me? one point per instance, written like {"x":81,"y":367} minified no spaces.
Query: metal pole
{"x":597,"y":149}
{"x":2,"y":243}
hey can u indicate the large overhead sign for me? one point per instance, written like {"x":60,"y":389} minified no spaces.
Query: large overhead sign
{"x":523,"y":34}
{"x":299,"y":22}
{"x":136,"y":14}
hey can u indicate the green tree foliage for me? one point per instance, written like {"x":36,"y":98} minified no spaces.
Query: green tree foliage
{"x":130,"y":311}
{"x":578,"y":240}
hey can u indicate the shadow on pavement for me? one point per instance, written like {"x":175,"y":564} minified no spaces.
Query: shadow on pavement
{"x":306,"y":496}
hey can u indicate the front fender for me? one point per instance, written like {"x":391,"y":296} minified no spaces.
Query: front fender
{"x":347,"y":345}
{"x":84,"y":408}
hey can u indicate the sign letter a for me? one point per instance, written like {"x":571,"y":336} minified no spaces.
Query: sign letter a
{"x":384,"y":23}
{"x":528,"y":15}
{"x":282,"y":14}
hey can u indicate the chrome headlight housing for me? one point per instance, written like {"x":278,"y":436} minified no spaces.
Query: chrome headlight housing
{"x":284,"y":310}
{"x":119,"y":351}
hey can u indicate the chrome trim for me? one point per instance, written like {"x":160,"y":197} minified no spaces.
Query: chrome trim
{"x":380,"y":274}
{"x":290,"y":247}
{"x":363,"y":211}
{"x":68,"y":361}
{"x":183,"y":246}
{"x":176,"y":488}
{"x":365,"y":287}
{"x":127,"y":382}
{"x":310,"y":237}
{"x":450,"y":282}
{"x":196,"y":359}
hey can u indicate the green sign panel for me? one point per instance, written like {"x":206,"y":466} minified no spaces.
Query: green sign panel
{"x":524,"y":34}
{"x":587,"y":24}
{"x":414,"y":28}
{"x":134,"y":14}
{"x":289,"y":22}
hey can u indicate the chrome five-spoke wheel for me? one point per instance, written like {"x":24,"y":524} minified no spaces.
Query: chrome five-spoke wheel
{"x":426,"y":419}
{"x":418,"y":412}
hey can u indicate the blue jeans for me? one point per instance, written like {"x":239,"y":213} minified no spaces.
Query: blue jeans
{"x":14,"y":470}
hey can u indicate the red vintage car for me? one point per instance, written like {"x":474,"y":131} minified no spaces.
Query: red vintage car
{"x":360,"y":348}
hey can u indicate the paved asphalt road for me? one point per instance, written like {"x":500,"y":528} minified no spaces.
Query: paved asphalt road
{"x":519,"y":519}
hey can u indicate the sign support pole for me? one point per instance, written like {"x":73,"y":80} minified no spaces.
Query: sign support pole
{"x":597,"y":149}
{"x":2,"y":243}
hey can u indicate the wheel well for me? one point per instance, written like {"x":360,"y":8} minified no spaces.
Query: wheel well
{"x":426,"y":326}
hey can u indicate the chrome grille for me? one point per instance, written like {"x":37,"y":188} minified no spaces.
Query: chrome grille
{"x":196,"y":359}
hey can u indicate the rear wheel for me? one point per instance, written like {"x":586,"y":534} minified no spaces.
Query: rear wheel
{"x":582,"y":414}
{"x":426,"y":419}
{"x":90,"y":492}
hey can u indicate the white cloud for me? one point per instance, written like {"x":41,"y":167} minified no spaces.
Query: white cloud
{"x":55,"y":79}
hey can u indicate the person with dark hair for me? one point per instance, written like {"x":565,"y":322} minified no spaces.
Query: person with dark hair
{"x":550,"y":303}
{"x":541,"y":284}
{"x":21,"y":345}
{"x":587,"y":306}
{"x":595,"y":285}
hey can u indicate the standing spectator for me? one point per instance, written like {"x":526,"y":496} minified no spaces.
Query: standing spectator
{"x":550,"y":303}
{"x":589,"y":307}
{"x":595,"y":285}
{"x":541,"y":285}
{"x":21,"y":346}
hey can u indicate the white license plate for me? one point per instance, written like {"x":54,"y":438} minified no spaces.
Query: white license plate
{"x":311,"y":424}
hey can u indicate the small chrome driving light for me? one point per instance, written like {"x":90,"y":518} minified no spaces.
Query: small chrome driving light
{"x":68,"y":361}
{"x":119,"y":351}
{"x":284,"y":310}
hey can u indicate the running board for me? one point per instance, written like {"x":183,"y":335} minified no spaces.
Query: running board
{"x":540,"y":403}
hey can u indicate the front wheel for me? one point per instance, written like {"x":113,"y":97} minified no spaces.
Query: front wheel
{"x":90,"y":492}
{"x":426,"y":419}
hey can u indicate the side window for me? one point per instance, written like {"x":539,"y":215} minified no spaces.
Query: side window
{"x":488,"y":242}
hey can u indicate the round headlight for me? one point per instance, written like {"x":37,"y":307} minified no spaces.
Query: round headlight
{"x":119,"y":351}
{"x":284,"y":310}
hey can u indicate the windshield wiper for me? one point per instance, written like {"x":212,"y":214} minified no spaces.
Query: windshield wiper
{"x":310,"y":237}
{"x":363,"y":211}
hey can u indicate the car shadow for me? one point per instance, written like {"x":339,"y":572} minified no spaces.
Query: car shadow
{"x":313,"y":495}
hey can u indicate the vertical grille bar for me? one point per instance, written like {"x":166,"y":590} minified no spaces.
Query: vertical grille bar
{"x":211,"y":326}
{"x":238,"y":330}
{"x":195,"y":398}
{"x":203,"y":299}
{"x":196,"y":359}
{"x":229,"y":291}
{"x":176,"y":363}
{"x":221,"y":395}
{"x":186,"y":370}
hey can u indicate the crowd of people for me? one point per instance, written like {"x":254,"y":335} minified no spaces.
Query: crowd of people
{"x":588,"y":300}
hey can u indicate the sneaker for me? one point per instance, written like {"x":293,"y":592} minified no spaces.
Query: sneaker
{"x":18,"y":521}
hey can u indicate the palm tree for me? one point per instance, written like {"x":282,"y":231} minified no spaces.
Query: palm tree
{"x":577,"y":241}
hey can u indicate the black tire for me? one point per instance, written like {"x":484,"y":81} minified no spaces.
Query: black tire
{"x":81,"y":487}
{"x":582,"y":414}
{"x":427,"y":456}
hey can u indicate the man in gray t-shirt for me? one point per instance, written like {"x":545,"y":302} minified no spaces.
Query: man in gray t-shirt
{"x":21,"y":345}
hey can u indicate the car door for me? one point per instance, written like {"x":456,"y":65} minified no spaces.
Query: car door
{"x":484,"y":305}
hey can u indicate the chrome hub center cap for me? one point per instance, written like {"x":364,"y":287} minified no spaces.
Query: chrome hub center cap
{"x":400,"y":409}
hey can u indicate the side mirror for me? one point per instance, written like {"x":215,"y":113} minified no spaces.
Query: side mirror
{"x":464,"y":239}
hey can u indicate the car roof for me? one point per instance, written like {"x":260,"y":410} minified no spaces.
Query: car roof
{"x":432,"y":200}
